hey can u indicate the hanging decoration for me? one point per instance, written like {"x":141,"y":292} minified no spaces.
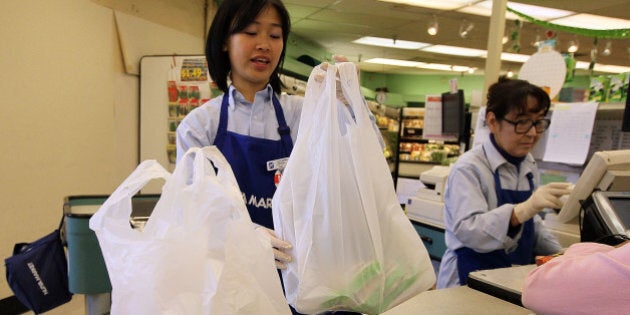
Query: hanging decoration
{"x":621,"y":33}
{"x":591,"y":65}
{"x":515,"y":38}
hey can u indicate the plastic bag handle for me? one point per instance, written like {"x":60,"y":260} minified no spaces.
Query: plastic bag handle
{"x":351,"y":91}
{"x":223,"y":169}
{"x":146,"y":171}
{"x":195,"y":164}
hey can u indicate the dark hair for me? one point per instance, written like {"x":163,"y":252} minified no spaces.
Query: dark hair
{"x":509,"y":94}
{"x":232,"y":17}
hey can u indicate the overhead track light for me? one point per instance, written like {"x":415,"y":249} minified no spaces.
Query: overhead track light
{"x":465,"y":28}
{"x":607,"y":49}
{"x":573,"y":45}
{"x":432,"y":29}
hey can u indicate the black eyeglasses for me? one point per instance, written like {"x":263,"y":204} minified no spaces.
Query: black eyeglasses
{"x":524,"y":125}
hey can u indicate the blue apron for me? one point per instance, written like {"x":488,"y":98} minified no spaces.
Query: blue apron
{"x":248,"y":157}
{"x":469,"y":260}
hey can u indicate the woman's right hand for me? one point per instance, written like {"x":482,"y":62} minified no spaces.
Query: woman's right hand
{"x":279,"y":247}
{"x":546,"y":196}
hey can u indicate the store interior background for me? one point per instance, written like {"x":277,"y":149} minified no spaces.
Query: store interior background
{"x":70,"y":86}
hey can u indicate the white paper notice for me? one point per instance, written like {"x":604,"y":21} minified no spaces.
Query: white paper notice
{"x":570,"y":132}
{"x":482,"y":132}
{"x":432,"y":117}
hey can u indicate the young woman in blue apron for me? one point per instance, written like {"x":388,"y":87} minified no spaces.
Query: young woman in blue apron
{"x":492,"y":196}
{"x":251,"y":124}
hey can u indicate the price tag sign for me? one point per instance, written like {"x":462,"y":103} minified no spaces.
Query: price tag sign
{"x":194,"y":70}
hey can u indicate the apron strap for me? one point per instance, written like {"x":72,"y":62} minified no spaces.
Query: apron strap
{"x":283,"y":129}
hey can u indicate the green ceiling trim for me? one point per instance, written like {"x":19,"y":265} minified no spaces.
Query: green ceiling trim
{"x":621,"y":33}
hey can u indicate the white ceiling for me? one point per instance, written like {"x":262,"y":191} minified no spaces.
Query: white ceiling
{"x":334,"y":24}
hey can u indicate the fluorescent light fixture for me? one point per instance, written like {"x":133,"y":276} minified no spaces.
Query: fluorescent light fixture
{"x":415,"y":64}
{"x":593,"y":21}
{"x":610,"y":68}
{"x":514,"y":57}
{"x":582,"y":65}
{"x":602,"y":68}
{"x":484,"y":8}
{"x":395,"y":62}
{"x":389,"y":42}
{"x":456,"y":51}
{"x":460,"y":68}
{"x":437,"y":66}
{"x":441,"y":4}
{"x":540,"y":13}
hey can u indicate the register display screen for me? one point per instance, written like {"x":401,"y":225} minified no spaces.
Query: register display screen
{"x":622,"y":208}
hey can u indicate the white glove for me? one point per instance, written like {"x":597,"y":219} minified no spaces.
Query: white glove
{"x":547,"y":196}
{"x":279,"y":247}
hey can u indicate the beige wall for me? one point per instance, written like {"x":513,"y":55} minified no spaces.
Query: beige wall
{"x":69,"y":112}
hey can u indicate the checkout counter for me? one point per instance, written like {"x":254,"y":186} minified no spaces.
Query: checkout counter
{"x":426,"y":212}
{"x":453,"y":301}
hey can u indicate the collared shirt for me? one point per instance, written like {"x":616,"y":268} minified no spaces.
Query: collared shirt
{"x":257,"y":119}
{"x":471,"y":216}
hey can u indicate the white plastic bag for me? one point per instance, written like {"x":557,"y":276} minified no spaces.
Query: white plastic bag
{"x":354,"y":248}
{"x":197,"y":254}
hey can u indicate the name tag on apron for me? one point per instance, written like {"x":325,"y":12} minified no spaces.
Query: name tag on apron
{"x":277,"y":165}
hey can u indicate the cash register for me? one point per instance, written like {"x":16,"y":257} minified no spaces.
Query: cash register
{"x":600,"y":201}
{"x":428,"y":204}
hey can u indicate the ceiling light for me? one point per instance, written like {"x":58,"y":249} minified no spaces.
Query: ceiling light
{"x":432,"y":29}
{"x":573,"y":46}
{"x":514,"y":57}
{"x":510,"y":74}
{"x":582,"y":65}
{"x":388,"y":42}
{"x":456,"y":51}
{"x":465,"y":28}
{"x":537,"y":12}
{"x":484,"y":8}
{"x":607,"y":49}
{"x":611,"y":68}
{"x":594,"y":22}
{"x":416,"y":64}
{"x":441,"y":5}
{"x":394,"y":62}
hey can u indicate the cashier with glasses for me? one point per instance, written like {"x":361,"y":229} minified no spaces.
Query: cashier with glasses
{"x":492,"y":195}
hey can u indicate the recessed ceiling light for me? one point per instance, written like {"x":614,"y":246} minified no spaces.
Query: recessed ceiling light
{"x":416,"y":64}
{"x":484,"y":8}
{"x":514,"y":57}
{"x":441,"y":4}
{"x":593,"y":21}
{"x":389,"y":42}
{"x":611,"y":68}
{"x":456,"y":51}
{"x":394,"y":62}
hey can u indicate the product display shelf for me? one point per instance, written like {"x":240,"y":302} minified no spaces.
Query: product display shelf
{"x":417,"y":154}
{"x":388,"y":121}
